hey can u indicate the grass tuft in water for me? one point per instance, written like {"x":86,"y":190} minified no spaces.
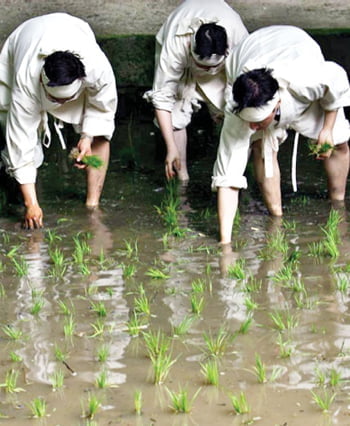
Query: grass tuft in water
{"x":12,"y":332}
{"x":157,"y":274}
{"x":38,"y":407}
{"x":138,"y":402}
{"x":99,"y":308}
{"x":103,"y":352}
{"x":180,"y":401}
{"x":239,"y":403}
{"x":237,"y":270}
{"x":157,"y":344}
{"x":183,"y":327}
{"x":216,"y":345}
{"x":210,"y":371}
{"x":57,"y":380}
{"x":324,"y":400}
{"x":10,"y":384}
{"x":91,"y":406}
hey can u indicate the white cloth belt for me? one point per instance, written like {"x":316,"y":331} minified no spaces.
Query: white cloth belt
{"x":46,"y":137}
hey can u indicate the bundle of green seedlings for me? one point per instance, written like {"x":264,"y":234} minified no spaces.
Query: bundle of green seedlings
{"x":93,"y":161}
{"x":317,"y":149}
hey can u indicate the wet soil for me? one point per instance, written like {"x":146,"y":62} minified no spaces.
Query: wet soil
{"x":127,"y":239}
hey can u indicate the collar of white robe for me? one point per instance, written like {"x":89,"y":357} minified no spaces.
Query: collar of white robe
{"x":61,"y":92}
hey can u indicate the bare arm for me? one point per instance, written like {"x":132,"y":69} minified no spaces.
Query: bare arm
{"x":172,"y":160}
{"x":227,"y":208}
{"x":34,"y":216}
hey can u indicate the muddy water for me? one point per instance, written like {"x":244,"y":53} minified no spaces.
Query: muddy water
{"x":129,"y":233}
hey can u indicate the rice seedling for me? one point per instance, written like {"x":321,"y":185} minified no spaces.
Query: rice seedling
{"x":64,"y":309}
{"x":302,"y":301}
{"x":128,"y":270}
{"x":15,"y":357}
{"x":10,"y":384}
{"x":283,"y":322}
{"x":320,"y":377}
{"x":289,"y":225}
{"x":93,"y":404}
{"x":335,"y":377}
{"x":239,"y":403}
{"x":138,"y":402}
{"x":197,"y":304}
{"x":284,"y":274}
{"x":59,"y":354}
{"x":84,"y":269}
{"x":59,"y":263}
{"x":253,"y":285}
{"x":169,"y":210}
{"x":316,"y":249}
{"x":101,"y":380}
{"x":245,"y":326}
{"x":13,"y":251}
{"x":142,"y":305}
{"x":183,"y":327}
{"x":250,"y":304}
{"x":81,"y":249}
{"x":69,"y":326}
{"x":37,"y":306}
{"x":57,"y":380}
{"x":131,"y":250}
{"x":331,"y":246}
{"x":103,"y":353}
{"x":157,"y":274}
{"x":161,"y":365}
{"x":316,"y":149}
{"x":237,"y":270}
{"x":294,"y":257}
{"x":216,"y":345}
{"x":198,"y":286}
{"x":285,"y":347}
{"x":165,"y":241}
{"x":157,"y":344}
{"x":21,"y":266}
{"x":260,"y":369}
{"x":99,"y":327}
{"x":210,"y":371}
{"x":325,"y":400}
{"x":93,"y":161}
{"x":12,"y":332}
{"x":296,"y":285}
{"x":52,"y":237}
{"x":180,"y":401}
{"x":135,"y":324}
{"x":99,"y":308}
{"x":38,"y":407}
{"x":342,"y":284}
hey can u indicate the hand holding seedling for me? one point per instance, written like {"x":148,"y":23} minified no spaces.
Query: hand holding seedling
{"x":93,"y":161}
{"x":84,"y":149}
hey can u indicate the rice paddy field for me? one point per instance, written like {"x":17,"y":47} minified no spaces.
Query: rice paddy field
{"x":131,"y":314}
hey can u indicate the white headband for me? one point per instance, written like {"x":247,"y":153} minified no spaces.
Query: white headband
{"x":61,"y":92}
{"x":256,"y":114}
{"x":212,"y":61}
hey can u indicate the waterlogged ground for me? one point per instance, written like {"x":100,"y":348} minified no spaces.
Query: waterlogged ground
{"x":124,"y":281}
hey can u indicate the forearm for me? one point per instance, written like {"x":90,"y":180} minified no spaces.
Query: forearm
{"x":329,"y":120}
{"x":165,"y":124}
{"x":227,"y":208}
{"x":29,"y":194}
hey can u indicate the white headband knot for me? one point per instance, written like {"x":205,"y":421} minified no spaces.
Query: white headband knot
{"x":212,"y":61}
{"x":61,"y":92}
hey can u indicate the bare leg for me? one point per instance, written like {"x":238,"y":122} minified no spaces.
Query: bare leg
{"x":269,"y":187}
{"x":337,"y":169}
{"x":180,"y":137}
{"x":95,"y":177}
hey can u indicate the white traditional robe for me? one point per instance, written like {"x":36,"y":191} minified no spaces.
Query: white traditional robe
{"x":308,"y":86}
{"x":176,"y":74}
{"x":23,"y":103}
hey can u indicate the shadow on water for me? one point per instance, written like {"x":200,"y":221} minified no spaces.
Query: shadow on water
{"x":107,"y":281}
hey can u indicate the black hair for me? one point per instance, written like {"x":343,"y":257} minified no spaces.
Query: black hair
{"x":254,"y":88}
{"x":62,"y":68}
{"x":210,"y":39}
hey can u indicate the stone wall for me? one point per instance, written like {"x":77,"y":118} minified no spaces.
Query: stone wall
{"x":115,"y":17}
